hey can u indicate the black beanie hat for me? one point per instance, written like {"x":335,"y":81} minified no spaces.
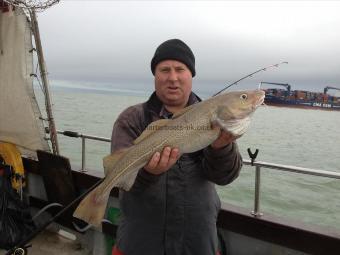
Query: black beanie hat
{"x":174,"y":49}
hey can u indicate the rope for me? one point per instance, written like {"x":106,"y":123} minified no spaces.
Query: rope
{"x":45,"y":208}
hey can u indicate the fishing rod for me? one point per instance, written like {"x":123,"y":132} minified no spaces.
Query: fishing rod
{"x":249,"y":75}
{"x":21,"y":247}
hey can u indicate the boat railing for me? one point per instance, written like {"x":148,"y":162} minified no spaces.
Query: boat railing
{"x":258,"y":165}
{"x":287,"y":168}
{"x":83,"y":143}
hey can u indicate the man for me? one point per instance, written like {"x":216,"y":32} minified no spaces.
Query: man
{"x":173,"y":205}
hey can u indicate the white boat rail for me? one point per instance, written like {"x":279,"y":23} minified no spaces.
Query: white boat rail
{"x":83,"y":143}
{"x":287,"y":168}
{"x":257,"y":165}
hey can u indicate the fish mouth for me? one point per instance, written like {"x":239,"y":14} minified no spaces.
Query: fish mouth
{"x":259,"y":101}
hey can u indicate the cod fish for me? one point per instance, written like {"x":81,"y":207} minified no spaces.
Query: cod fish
{"x":189,"y":130}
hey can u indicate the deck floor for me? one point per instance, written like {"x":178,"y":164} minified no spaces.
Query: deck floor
{"x":52,"y":243}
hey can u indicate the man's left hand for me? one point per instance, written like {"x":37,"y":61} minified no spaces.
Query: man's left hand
{"x":223,"y":140}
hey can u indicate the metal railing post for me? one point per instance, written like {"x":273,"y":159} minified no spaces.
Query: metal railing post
{"x":256,"y":211}
{"x":83,"y":156}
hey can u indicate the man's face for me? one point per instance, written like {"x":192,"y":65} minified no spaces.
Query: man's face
{"x":173,"y":83}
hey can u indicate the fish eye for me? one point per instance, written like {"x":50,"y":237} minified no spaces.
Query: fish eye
{"x":244,"y":96}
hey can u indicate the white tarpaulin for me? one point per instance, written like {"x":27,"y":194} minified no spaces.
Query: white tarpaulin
{"x":20,"y":121}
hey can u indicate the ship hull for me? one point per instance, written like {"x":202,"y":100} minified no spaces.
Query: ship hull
{"x":283,"y":102}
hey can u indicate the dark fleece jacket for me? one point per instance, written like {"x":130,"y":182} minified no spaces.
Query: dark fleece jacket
{"x":173,"y":213}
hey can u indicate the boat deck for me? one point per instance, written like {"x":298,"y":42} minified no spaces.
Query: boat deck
{"x":52,"y":243}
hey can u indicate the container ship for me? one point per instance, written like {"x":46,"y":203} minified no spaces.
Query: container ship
{"x":300,"y":98}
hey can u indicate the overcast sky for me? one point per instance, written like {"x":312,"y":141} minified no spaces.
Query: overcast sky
{"x":113,"y":41}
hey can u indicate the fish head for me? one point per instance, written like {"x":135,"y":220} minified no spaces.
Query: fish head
{"x":234,"y":110}
{"x":237,"y":104}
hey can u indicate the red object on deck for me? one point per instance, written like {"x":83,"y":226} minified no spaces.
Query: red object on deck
{"x":115,"y":251}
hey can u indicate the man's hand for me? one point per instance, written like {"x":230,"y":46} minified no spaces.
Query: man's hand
{"x":224,"y":139}
{"x":162,"y":162}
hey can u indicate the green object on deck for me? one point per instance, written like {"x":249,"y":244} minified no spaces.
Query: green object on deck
{"x":113,"y":216}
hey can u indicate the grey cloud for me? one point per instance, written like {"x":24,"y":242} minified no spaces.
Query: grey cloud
{"x":114,"y":41}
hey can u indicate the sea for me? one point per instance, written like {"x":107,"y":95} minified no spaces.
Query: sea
{"x":297,"y":137}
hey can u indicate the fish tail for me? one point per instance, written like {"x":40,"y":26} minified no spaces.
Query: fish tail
{"x":92,"y":207}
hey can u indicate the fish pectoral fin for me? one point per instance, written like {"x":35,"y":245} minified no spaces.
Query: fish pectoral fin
{"x":109,"y":161}
{"x":237,"y":127}
{"x":182,"y":111}
{"x":126,"y":181}
{"x":224,"y":113}
{"x":150,"y":129}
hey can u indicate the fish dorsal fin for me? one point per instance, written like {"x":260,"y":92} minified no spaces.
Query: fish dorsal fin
{"x":182,"y":111}
{"x":150,"y":129}
{"x":109,"y":161}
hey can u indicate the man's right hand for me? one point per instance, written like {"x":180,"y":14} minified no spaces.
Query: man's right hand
{"x":162,"y":162}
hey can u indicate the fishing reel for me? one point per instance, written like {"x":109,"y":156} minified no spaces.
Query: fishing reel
{"x":20,"y":250}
